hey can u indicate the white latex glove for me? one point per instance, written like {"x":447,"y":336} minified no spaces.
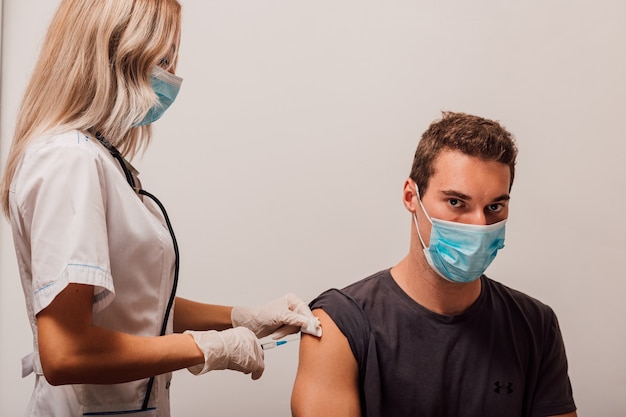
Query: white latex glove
{"x":281,"y":317}
{"x":237,"y":349}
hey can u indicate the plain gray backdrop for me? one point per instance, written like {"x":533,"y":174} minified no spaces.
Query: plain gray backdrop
{"x":283,"y":159}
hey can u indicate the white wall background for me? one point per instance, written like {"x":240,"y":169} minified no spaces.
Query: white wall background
{"x":283,"y":159}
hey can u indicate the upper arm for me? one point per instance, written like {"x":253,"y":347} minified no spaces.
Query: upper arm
{"x":62,"y":326}
{"x":73,"y":350}
{"x":553,"y":391}
{"x":327,"y":378}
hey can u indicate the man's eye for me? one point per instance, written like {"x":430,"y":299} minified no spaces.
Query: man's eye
{"x":495,"y":207}
{"x":454,"y":202}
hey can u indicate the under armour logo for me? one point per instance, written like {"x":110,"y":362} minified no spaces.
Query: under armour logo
{"x":501,"y":388}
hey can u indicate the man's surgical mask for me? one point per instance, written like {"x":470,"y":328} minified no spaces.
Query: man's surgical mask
{"x":461,"y":252}
{"x":166,"y":86}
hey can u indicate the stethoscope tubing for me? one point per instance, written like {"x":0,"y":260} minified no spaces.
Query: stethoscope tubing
{"x":131,"y":181}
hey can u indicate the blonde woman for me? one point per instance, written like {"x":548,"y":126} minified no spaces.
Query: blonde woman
{"x":96,"y":253}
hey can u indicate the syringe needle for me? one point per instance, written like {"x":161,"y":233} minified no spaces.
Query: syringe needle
{"x":275,"y":343}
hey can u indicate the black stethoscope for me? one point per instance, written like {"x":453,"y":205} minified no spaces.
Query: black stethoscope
{"x":131,"y":181}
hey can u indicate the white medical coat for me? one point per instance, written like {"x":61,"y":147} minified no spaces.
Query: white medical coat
{"x":75,"y":219}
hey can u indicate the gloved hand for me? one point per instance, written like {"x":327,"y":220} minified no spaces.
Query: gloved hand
{"x":237,"y":349}
{"x":284,"y":316}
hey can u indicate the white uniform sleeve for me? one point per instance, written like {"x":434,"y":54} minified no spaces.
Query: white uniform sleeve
{"x":61,"y":203}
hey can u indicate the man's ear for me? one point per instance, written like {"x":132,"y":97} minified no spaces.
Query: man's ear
{"x":409,"y":195}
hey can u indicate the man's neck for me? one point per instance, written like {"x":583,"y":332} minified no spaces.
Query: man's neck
{"x":430,"y":290}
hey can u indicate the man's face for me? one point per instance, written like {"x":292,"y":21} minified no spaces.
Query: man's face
{"x":466,"y":189}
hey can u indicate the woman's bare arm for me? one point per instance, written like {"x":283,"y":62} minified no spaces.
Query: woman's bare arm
{"x":191,"y":315}
{"x":73,"y":350}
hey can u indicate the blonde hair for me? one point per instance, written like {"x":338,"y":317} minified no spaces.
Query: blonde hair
{"x":93,"y":74}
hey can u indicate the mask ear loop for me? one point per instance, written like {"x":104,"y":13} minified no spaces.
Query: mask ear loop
{"x":419,"y":200}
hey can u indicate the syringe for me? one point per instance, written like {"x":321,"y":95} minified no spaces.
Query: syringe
{"x":275,"y":343}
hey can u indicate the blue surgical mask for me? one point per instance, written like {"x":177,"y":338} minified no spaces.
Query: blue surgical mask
{"x":166,"y":86}
{"x":461,"y":252}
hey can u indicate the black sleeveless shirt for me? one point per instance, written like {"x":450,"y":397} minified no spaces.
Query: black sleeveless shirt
{"x":502,"y":357}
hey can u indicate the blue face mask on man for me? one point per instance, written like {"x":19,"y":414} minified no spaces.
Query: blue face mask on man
{"x":461,"y":252}
{"x":166,"y":86}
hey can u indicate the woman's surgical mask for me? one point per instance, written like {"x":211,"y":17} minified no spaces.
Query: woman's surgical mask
{"x":166,"y":86}
{"x":460,"y":252}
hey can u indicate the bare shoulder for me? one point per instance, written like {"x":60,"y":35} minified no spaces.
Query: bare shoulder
{"x":331,"y":351}
{"x":327,"y":379}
